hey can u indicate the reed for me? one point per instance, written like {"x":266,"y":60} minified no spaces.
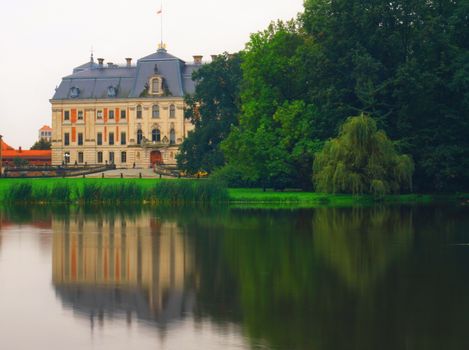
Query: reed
{"x":114,"y":192}
{"x":111,"y":193}
{"x":185,"y":191}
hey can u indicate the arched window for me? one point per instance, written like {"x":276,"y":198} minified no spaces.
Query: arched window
{"x":139,"y":137}
{"x":172,"y":111}
{"x":155,"y":112}
{"x":172,"y":137}
{"x":139,"y":112}
{"x":155,"y":135}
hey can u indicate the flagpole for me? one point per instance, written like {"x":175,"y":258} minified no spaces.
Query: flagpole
{"x":161,"y":9}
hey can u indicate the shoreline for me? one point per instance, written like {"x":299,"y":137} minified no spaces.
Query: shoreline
{"x":184,"y":189}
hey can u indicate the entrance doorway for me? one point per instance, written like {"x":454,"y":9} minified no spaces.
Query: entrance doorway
{"x":156,"y":158}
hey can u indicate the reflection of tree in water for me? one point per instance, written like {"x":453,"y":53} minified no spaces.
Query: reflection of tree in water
{"x":296,"y":291}
{"x":264,"y":272}
{"x":360,"y":244}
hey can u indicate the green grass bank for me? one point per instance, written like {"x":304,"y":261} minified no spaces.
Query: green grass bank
{"x":141,"y":191}
{"x":111,"y":191}
{"x":312,"y":199}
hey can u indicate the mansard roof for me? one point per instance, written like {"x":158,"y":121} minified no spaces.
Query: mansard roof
{"x":92,"y":81}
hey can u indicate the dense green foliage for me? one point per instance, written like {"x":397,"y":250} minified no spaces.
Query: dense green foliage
{"x":112,"y":192}
{"x":405,"y":63}
{"x":213,"y":109}
{"x":280,"y":129}
{"x":361,"y":160}
{"x":41,"y":145}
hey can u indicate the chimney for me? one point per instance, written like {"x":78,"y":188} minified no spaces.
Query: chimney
{"x":129,"y":62}
{"x":100,"y":62}
{"x":110,"y":65}
{"x":214,"y":57}
{"x":20,"y":150}
{"x":198,"y":59}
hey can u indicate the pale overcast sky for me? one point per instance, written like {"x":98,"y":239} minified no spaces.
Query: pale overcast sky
{"x":41,"y":41}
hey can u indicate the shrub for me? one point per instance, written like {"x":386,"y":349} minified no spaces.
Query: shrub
{"x":232,"y":177}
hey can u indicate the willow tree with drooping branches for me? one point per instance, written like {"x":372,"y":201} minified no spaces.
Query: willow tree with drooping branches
{"x":362,"y":160}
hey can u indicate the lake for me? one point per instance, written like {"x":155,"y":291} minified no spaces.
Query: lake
{"x":382,"y":277}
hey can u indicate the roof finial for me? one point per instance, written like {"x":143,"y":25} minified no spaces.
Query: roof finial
{"x":92,"y":58}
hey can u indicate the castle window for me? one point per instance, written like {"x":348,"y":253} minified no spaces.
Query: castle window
{"x":99,"y":114}
{"x":139,"y":112}
{"x":80,"y":139}
{"x":155,"y":112}
{"x":172,"y":137}
{"x":155,"y":135}
{"x":80,"y":157}
{"x":66,"y":115}
{"x":172,"y":111}
{"x":100,"y":157}
{"x":139,"y":137}
{"x":123,"y":114}
{"x":111,"y":138}
{"x":111,"y":114}
{"x":111,"y":157}
{"x":123,"y":157}
{"x":123,"y":138}
{"x":66,"y":139}
{"x":80,"y":115}
{"x":99,"y":138}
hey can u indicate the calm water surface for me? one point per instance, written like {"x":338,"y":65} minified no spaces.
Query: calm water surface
{"x":132,"y":278}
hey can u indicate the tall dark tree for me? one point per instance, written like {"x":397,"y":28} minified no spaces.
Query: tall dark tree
{"x":213,"y":109}
{"x":279,"y":128}
{"x":405,"y":62}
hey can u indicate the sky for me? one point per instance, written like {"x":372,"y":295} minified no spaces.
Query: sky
{"x":41,"y":41}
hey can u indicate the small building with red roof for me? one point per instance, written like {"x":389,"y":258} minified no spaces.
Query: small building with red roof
{"x":45,"y":133}
{"x":33,"y":157}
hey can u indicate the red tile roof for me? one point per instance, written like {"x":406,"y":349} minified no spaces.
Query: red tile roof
{"x":45,"y":128}
{"x":6,"y":146}
{"x":34,"y":154}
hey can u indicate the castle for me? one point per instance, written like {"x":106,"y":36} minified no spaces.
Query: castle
{"x":127,"y":115}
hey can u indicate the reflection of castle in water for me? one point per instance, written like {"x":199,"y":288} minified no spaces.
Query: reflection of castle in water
{"x":120,"y":267}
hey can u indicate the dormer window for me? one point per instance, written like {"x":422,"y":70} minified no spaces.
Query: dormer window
{"x":112,"y":91}
{"x":156,"y":85}
{"x":74,"y":92}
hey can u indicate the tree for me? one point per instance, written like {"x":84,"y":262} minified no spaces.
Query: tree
{"x":213,"y":109}
{"x":360,"y":160}
{"x":279,"y":127}
{"x":41,"y":145}
{"x":407,"y":64}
